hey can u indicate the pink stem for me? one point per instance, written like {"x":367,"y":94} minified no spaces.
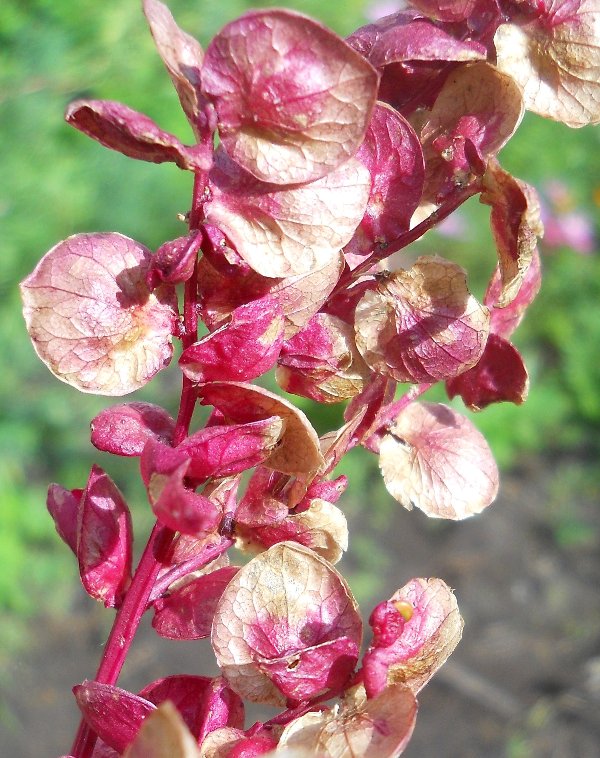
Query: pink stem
{"x":186,"y":567}
{"x":125,"y":626}
{"x":161,"y":539}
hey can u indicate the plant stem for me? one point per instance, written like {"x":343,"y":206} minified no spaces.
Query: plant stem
{"x":160,"y":543}
{"x":125,"y":625}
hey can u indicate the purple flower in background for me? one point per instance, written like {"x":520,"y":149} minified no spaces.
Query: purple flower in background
{"x":564,"y":225}
{"x":380,"y":8}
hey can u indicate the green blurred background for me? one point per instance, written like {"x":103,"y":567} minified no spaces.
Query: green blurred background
{"x":56,"y":182}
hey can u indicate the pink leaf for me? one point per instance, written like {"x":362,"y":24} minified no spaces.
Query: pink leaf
{"x":376,"y":728}
{"x":422,"y":325}
{"x":293,"y":99}
{"x":187,"y":612}
{"x":125,"y":429}
{"x":91,"y":317}
{"x":289,"y":230}
{"x":104,"y":540}
{"x":322,"y":667}
{"x":363,"y":410}
{"x":174,"y":261}
{"x":283,"y":604}
{"x":435,"y":459}
{"x":392,"y":153}
{"x":555,"y":59}
{"x":446,"y":10}
{"x":298,"y":451}
{"x":185,"y":691}
{"x":245,"y":348}
{"x":221,"y":451}
{"x":322,"y":362}
{"x":300,"y":297}
{"x":416,"y":650}
{"x":64,"y":505}
{"x":420,"y":40}
{"x":180,"y":508}
{"x":499,"y":376}
{"x":163,"y":735}
{"x":321,"y":527}
{"x":120,"y":128}
{"x":113,"y":713}
{"x":478,"y":109}
{"x":181,"y":54}
{"x":223,"y":708}
{"x":516,"y":225}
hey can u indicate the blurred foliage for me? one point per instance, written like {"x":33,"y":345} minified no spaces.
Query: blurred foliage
{"x":56,"y":182}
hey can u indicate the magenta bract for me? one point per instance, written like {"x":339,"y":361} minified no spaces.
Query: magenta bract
{"x":243,"y":349}
{"x":113,"y":713}
{"x":392,"y":153}
{"x":516,"y":225}
{"x":174,"y":261}
{"x":222,"y":451}
{"x":125,"y":429}
{"x":307,"y":225}
{"x":104,"y":539}
{"x":292,"y":98}
{"x":411,"y":651}
{"x":187,"y":612}
{"x":108,"y":334}
{"x":300,"y":297}
{"x":499,"y":376}
{"x":506,"y":319}
{"x":284,"y":607}
{"x":423,"y":324}
{"x":63,"y":505}
{"x":120,"y":128}
{"x":298,"y":451}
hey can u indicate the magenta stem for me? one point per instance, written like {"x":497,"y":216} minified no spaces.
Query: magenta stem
{"x":186,"y":567}
{"x":159,"y":544}
{"x":125,"y":626}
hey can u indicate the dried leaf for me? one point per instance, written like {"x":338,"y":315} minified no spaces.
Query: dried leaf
{"x":506,"y":319}
{"x":516,"y":225}
{"x":376,"y":728}
{"x":287,"y":620}
{"x":555,"y":58}
{"x":91,"y":317}
{"x":477,"y":110}
{"x":163,"y":735}
{"x":422,"y":325}
{"x":435,"y":459}
{"x":181,"y":54}
{"x":290,"y":230}
{"x":293,"y":99}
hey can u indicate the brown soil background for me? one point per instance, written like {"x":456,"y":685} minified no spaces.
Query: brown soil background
{"x":523,"y":683}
